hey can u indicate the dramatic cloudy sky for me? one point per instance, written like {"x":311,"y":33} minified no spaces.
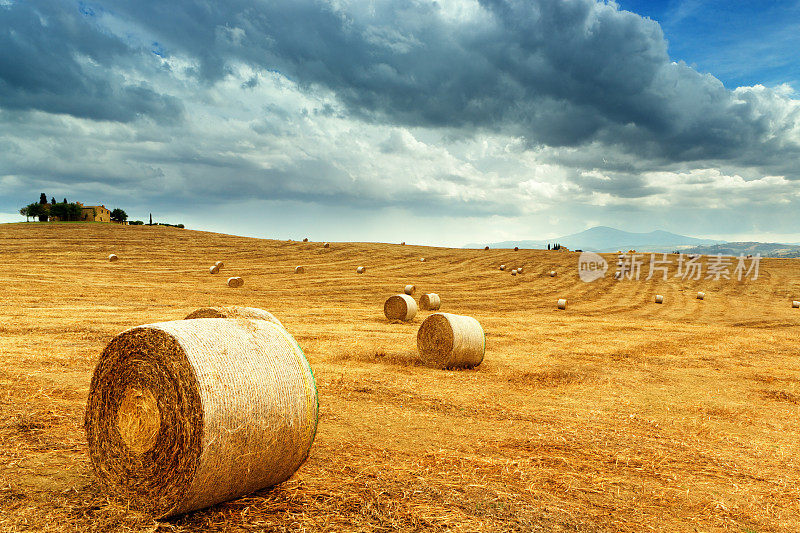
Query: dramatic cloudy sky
{"x":438,"y":122}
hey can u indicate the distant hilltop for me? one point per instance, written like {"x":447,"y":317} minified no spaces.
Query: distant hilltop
{"x":605,"y":239}
{"x":765,"y":249}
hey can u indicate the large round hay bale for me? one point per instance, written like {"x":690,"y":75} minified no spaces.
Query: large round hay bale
{"x":220,"y":264}
{"x":701,"y":295}
{"x":445,"y":340}
{"x":552,"y":273}
{"x":502,"y":267}
{"x":410,"y":289}
{"x":795,"y":304}
{"x":514,"y":272}
{"x":233,"y":312}
{"x":659,"y":299}
{"x":361,"y":270}
{"x":430,"y":301}
{"x":400,"y":307}
{"x":113,"y":258}
{"x":299,"y":270}
{"x":186,"y":414}
{"x":486,"y":248}
{"x":214,"y":269}
{"x":326,"y":245}
{"x":235,"y":282}
{"x":516,"y":248}
{"x":403,"y":243}
{"x":519,"y":270}
{"x":421,"y":259}
{"x":562,"y":303}
{"x":305,"y":239}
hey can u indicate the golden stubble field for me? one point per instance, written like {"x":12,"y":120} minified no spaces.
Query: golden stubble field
{"x":615,"y":415}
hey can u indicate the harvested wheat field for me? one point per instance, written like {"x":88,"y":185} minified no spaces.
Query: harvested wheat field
{"x":613,"y":415}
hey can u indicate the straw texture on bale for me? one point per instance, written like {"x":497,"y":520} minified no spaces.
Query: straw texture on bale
{"x":186,"y":414}
{"x":552,"y":273}
{"x":233,"y":312}
{"x":659,"y":299}
{"x":795,"y":304}
{"x":502,"y":267}
{"x":220,"y":264}
{"x":445,"y":340}
{"x":113,"y":257}
{"x":235,"y":282}
{"x":361,"y":270}
{"x":410,"y":289}
{"x":299,"y":270}
{"x":430,"y":301}
{"x":214,"y":269}
{"x":562,"y":303}
{"x":400,"y":307}
{"x":701,"y":295}
{"x":514,"y":272}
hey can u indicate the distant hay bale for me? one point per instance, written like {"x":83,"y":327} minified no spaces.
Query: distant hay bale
{"x":519,"y":270}
{"x":113,"y":258}
{"x":516,"y":248}
{"x":403,"y":243}
{"x":361,"y":270}
{"x":410,"y":289}
{"x":235,"y":282}
{"x":430,"y":301}
{"x":445,"y":340}
{"x":421,"y":259}
{"x":562,"y":303}
{"x":326,"y":245}
{"x":400,"y":307}
{"x":795,"y":304}
{"x":214,"y":269}
{"x":486,"y":248}
{"x":502,"y":267}
{"x":183,"y":415}
{"x":659,"y":299}
{"x":552,"y":273}
{"x":701,"y":295}
{"x":514,"y":272}
{"x":299,"y":270}
{"x":305,"y":239}
{"x":233,"y":312}
{"x":220,"y":264}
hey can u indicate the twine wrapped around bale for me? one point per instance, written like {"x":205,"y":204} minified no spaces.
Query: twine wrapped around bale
{"x":445,"y":340}
{"x":795,"y":304}
{"x":701,"y":295}
{"x":659,"y":299}
{"x":562,"y":303}
{"x":552,"y":273}
{"x":235,"y":282}
{"x":214,"y":269}
{"x":514,"y":272}
{"x":299,"y":270}
{"x":400,"y":307}
{"x":186,"y":414}
{"x":113,"y":258}
{"x":410,"y":289}
{"x":502,"y":267}
{"x":233,"y":312}
{"x":361,"y":270}
{"x":430,"y":301}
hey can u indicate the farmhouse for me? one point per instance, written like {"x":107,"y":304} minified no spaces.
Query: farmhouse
{"x":95,"y":213}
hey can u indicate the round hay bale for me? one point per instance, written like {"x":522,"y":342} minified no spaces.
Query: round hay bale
{"x":214,"y":269}
{"x":305,"y":239}
{"x":410,"y":289}
{"x":361,"y":270}
{"x":795,"y":304}
{"x":430,"y":301}
{"x":183,"y":415}
{"x":445,"y":340}
{"x":326,"y":245}
{"x":519,"y":270}
{"x":502,"y":267}
{"x":486,"y":248}
{"x":701,"y":295}
{"x":514,"y":272}
{"x":562,"y":303}
{"x":220,"y":264}
{"x":659,"y":299}
{"x":400,"y":307}
{"x":235,"y":282}
{"x":299,"y":270}
{"x":516,"y":248}
{"x":403,"y":243}
{"x":233,"y":312}
{"x":421,"y":259}
{"x":552,"y":273}
{"x":113,"y":258}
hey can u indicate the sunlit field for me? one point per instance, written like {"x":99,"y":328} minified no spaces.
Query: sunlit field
{"x":616,"y":414}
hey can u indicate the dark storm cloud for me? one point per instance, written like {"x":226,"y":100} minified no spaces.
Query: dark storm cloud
{"x":54,"y":58}
{"x":558,"y":72}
